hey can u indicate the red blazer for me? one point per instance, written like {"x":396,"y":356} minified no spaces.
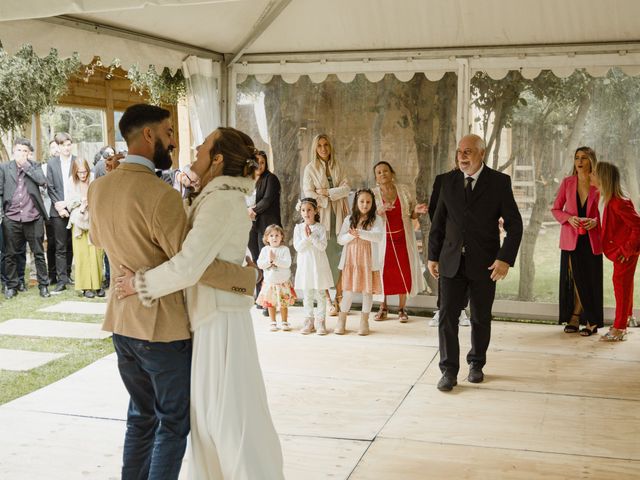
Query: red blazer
{"x":566,"y":206}
{"x":620,"y":229}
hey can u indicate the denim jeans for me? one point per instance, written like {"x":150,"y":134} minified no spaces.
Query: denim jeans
{"x":157,"y":376}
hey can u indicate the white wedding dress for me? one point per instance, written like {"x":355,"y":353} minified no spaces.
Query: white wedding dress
{"x":232,"y":434}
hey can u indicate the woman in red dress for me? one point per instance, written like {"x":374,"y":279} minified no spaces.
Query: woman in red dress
{"x":402,"y":272}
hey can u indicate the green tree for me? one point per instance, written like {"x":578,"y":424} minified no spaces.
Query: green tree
{"x":548,"y":115}
{"x":30,"y":85}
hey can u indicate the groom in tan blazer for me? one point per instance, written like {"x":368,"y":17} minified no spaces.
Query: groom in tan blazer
{"x":140,"y":222}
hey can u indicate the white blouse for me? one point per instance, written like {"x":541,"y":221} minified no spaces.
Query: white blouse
{"x":279,"y":272}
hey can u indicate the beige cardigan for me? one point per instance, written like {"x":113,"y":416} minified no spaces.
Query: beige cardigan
{"x":315,"y":178}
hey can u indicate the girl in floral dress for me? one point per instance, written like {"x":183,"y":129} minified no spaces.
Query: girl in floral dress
{"x":277,"y":290}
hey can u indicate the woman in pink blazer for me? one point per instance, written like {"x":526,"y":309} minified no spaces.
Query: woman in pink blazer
{"x":621,"y":243}
{"x":576,"y":209}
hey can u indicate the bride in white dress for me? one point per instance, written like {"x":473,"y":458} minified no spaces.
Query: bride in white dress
{"x":232,"y":434}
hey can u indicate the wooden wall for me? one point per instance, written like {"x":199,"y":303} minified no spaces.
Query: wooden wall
{"x":109,"y":91}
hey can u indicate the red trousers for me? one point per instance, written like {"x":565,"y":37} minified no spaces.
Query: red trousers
{"x":623,"y":289}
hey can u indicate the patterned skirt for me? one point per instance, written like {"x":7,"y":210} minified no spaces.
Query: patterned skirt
{"x":357,"y":274}
{"x":277,"y":295}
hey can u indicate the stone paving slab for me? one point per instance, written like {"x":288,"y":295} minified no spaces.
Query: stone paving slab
{"x":84,"y":308}
{"x":27,"y":327}
{"x":94,"y":391}
{"x":23,"y":360}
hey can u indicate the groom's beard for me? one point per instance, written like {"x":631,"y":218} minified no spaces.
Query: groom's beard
{"x":162,"y":156}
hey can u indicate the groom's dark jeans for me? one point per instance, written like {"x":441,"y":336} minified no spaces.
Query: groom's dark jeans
{"x":157,"y":376}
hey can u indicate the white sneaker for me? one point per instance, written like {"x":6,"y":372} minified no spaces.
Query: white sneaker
{"x":286,"y":327}
{"x":273,"y":327}
{"x":463,"y":321}
{"x":435,"y":320}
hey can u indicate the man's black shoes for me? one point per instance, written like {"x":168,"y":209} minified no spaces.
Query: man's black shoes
{"x":475,"y":375}
{"x":60,"y":287}
{"x":447,"y":383}
{"x":10,"y":293}
{"x":44,"y":292}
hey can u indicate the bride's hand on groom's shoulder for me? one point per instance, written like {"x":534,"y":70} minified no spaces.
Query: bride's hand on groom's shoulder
{"x":125,"y":283}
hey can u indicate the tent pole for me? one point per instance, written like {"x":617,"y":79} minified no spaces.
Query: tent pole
{"x":223,"y":88}
{"x":231,"y":93}
{"x":273,"y":9}
{"x":464,"y":98}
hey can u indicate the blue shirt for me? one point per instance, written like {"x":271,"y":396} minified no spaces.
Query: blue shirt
{"x":140,"y":160}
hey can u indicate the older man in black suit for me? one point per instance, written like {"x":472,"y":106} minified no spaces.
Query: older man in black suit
{"x":465,"y":252}
{"x":23,"y":215}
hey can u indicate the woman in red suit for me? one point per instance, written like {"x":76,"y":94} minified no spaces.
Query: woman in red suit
{"x":576,"y":209}
{"x":621,"y":242}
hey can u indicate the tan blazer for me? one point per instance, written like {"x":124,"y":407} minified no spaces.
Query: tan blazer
{"x":139,"y":221}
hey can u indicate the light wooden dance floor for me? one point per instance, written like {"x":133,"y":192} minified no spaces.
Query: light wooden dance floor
{"x":553,"y":406}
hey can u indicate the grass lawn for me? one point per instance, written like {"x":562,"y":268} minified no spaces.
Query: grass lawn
{"x":547,"y":258}
{"x":79,"y":352}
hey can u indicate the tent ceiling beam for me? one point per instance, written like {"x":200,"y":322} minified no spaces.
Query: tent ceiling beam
{"x":69,"y":21}
{"x":273,"y":9}
{"x":438,"y":53}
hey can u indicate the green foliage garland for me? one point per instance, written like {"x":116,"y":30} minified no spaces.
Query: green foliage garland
{"x":31,"y":85}
{"x":162,"y":88}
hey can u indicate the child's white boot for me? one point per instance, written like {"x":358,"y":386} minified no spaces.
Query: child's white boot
{"x":321,"y":327}
{"x":308,"y":326}
{"x":364,"y":324}
{"x":341,"y":324}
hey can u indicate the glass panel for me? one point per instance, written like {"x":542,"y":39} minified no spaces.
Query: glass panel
{"x":410,"y":124}
{"x":85,"y":125}
{"x":532,"y":128}
{"x":120,"y":145}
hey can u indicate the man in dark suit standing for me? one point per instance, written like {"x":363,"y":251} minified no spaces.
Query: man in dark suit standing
{"x":23,"y":215}
{"x":465,"y":252}
{"x":58,"y":177}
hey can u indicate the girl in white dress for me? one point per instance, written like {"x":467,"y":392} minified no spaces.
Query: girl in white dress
{"x":313,"y":274}
{"x":277,"y":291}
{"x":232,"y":434}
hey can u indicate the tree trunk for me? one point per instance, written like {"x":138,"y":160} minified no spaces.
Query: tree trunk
{"x":381,"y":106}
{"x":545,"y":188}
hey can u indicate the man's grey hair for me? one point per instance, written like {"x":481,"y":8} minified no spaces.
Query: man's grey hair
{"x":480,"y":143}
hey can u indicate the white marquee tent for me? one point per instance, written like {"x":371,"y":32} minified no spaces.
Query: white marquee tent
{"x":224,"y":40}
{"x":220,"y":42}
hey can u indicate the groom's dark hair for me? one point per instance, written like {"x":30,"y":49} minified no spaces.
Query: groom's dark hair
{"x":137,"y":116}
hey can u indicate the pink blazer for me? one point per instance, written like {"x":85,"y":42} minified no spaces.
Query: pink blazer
{"x":566,"y":206}
{"x":621,"y":229}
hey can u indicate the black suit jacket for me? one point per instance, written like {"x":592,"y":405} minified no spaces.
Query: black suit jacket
{"x":435,"y":194}
{"x":267,"y":206}
{"x":55,"y":181}
{"x":34,"y":179}
{"x":474,"y":224}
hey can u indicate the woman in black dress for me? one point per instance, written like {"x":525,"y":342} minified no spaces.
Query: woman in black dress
{"x":576,"y":209}
{"x":266,"y":210}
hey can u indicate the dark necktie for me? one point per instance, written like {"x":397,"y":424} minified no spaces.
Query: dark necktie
{"x":467,"y":189}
